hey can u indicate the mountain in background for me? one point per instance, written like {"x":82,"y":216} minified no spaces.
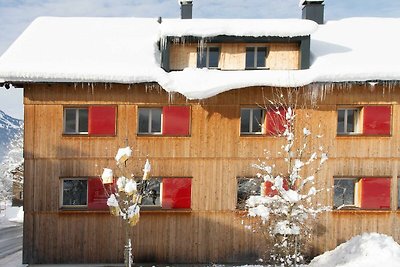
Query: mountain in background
{"x":9,"y":128}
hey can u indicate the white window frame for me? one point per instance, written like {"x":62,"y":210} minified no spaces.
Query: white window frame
{"x":149,"y":132}
{"x":206,"y":50}
{"x":357,"y":122}
{"x":155,"y":206}
{"x":255,"y":57}
{"x":76,"y":120}
{"x":62,"y":206}
{"x":251,"y":121}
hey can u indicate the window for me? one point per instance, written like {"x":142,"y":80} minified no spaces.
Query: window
{"x":74,"y":193}
{"x":247,"y":187}
{"x":208,"y":57}
{"x":153,"y":194}
{"x":76,"y":120}
{"x":150,"y":120}
{"x":348,"y":121}
{"x":256,"y":57}
{"x":251,"y":120}
{"x":93,"y":120}
{"x":362,"y":193}
{"x":367,"y":120}
{"x":166,"y":121}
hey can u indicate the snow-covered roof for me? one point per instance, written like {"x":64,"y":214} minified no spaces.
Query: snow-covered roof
{"x":237,"y":27}
{"x":125,"y":50}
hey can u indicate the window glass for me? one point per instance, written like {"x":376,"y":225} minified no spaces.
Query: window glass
{"x":340,"y":125}
{"x":250,"y":57}
{"x":257,"y":120}
{"x":83,"y":120}
{"x":144,"y":114}
{"x":201,"y":58}
{"x":261,"y":55}
{"x":152,"y":195}
{"x":351,"y":120}
{"x":70,"y":120}
{"x":245,"y":120}
{"x":343,"y":192}
{"x":156,"y":120}
{"x":247,"y":187}
{"x":213,"y":57}
{"x":74,"y":192}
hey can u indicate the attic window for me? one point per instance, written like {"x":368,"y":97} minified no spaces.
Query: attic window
{"x":208,"y":57}
{"x":256,"y":57}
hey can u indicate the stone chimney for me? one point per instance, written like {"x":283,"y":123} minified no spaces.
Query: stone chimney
{"x":313,"y":10}
{"x":186,"y":9}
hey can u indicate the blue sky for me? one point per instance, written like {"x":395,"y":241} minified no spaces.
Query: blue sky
{"x":16,"y":15}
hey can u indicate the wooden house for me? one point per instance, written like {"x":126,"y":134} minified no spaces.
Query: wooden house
{"x":188,"y":95}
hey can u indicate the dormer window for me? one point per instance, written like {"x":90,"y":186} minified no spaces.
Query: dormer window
{"x":256,"y":57}
{"x":208,"y":57}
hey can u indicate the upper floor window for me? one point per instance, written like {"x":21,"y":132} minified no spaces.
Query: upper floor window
{"x":361,"y":193}
{"x":76,"y":120}
{"x":208,"y":57}
{"x":348,"y":121}
{"x":92,"y":120}
{"x":167,"y":121}
{"x":252,"y":120}
{"x":366,"y":120}
{"x":150,"y":120}
{"x":256,"y":57}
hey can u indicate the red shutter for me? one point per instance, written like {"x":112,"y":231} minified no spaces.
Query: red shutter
{"x":375,"y":193}
{"x":377,"y":120}
{"x":97,"y":197}
{"x":176,"y":193}
{"x":102,"y":120}
{"x":274,"y":121}
{"x":176,"y":120}
{"x":268,"y":191}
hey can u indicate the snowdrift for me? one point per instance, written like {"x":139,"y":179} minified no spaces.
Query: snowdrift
{"x":367,"y":250}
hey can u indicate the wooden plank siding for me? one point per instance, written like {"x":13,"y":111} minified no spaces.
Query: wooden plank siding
{"x":214,"y":155}
{"x":282,"y":56}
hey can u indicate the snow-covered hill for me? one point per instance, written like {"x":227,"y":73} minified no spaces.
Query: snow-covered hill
{"x":9,"y":128}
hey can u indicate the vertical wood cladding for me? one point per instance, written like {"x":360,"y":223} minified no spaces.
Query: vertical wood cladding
{"x":213,"y":156}
{"x":281,"y":56}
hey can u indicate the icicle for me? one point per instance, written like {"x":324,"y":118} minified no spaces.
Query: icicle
{"x":75,"y":86}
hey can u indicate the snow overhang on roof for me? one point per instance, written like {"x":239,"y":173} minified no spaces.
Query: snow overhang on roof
{"x":237,"y":27}
{"x":125,"y":50}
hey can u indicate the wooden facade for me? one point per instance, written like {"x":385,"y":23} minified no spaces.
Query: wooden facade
{"x":281,"y":56}
{"x":214,"y":155}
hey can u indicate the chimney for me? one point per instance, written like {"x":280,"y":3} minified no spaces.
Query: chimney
{"x":186,"y":9}
{"x":313,"y":10}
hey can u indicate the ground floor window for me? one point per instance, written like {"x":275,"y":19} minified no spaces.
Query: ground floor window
{"x":361,"y":193}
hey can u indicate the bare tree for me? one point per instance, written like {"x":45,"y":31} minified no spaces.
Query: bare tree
{"x":285,"y":206}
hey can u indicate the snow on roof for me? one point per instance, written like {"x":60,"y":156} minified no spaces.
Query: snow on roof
{"x":125,"y":50}
{"x":237,"y":27}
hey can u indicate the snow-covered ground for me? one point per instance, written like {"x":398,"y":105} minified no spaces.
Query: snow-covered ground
{"x":10,"y":215}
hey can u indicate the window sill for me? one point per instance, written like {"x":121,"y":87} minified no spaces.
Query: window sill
{"x":64,"y":135}
{"x":142,"y":210}
{"x":358,"y":211}
{"x":360,"y":135}
{"x":161,"y":136}
{"x":259,"y":68}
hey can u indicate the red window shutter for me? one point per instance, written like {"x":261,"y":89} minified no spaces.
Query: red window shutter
{"x":176,"y":193}
{"x":102,"y":120}
{"x":274,"y":121}
{"x":268,"y":191}
{"x":377,"y":120}
{"x":97,"y":197}
{"x":375,"y":193}
{"x":176,"y":120}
